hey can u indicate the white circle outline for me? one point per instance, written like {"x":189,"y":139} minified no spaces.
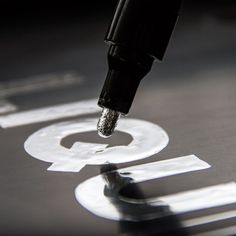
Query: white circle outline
{"x":45,"y":144}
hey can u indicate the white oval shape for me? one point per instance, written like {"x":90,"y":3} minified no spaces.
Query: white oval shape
{"x":45,"y":144}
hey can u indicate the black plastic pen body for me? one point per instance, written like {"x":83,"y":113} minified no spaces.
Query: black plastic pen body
{"x":139,"y":33}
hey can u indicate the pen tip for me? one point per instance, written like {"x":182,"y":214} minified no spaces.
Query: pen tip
{"x":107,"y":122}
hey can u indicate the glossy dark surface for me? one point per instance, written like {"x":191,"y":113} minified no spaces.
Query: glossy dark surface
{"x":191,"y":95}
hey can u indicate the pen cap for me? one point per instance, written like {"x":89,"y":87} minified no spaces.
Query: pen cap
{"x":144,"y":25}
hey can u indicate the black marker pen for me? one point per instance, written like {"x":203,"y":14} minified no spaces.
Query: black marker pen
{"x":139,"y":34}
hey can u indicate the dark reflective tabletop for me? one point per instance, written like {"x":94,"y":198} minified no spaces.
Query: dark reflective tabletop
{"x":191,"y":95}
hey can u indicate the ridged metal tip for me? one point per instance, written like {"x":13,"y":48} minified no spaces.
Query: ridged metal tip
{"x":107,"y":122}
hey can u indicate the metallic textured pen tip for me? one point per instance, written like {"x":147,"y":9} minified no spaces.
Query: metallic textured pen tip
{"x":107,"y":122}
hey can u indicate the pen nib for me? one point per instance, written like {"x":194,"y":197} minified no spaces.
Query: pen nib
{"x":107,"y":122}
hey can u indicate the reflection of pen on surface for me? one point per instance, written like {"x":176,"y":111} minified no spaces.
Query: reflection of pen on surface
{"x":128,"y":198}
{"x":137,"y":219}
{"x":139,"y":33}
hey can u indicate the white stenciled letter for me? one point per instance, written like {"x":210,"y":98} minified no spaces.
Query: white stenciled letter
{"x":45,"y":144}
{"x":110,"y":204}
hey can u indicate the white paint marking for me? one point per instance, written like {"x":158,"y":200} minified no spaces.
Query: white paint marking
{"x":202,"y":198}
{"x":164,"y":168}
{"x":90,"y":193}
{"x":45,"y":144}
{"x":6,"y":107}
{"x":49,"y":113}
{"x":209,"y":218}
{"x":40,"y":82}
